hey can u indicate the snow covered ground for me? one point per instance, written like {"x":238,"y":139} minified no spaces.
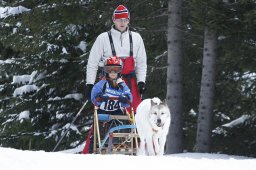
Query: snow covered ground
{"x":12,"y":159}
{"x":8,"y":11}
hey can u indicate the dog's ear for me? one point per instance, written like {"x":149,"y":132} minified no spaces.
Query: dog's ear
{"x":164,"y":102}
{"x":152,"y":103}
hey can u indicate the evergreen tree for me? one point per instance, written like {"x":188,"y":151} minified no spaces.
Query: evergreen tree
{"x":45,"y":84}
{"x":228,"y":19}
{"x":174,"y":76}
{"x":49,"y":44}
{"x":203,"y":140}
{"x":235,"y":78}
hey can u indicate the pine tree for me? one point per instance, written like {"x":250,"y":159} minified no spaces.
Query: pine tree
{"x":236,"y":92}
{"x":49,"y":45}
{"x":51,"y":42}
{"x":174,"y":76}
{"x":205,"y":117}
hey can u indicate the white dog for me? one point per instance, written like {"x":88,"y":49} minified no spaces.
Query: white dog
{"x":152,"y":120}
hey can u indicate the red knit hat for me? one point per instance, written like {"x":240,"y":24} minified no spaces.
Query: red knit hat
{"x":121,"y":12}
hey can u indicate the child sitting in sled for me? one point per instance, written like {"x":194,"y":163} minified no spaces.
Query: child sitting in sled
{"x":111,"y":93}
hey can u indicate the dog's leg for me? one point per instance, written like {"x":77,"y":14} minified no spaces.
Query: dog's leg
{"x":162,"y":141}
{"x":142,"y":148}
{"x":156,"y":144}
{"x":150,"y":146}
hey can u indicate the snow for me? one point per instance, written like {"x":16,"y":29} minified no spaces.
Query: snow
{"x":14,"y":31}
{"x":64,"y":50}
{"x":219,"y":130}
{"x":8,"y":61}
{"x":82,"y":46}
{"x":23,"y":79}
{"x":72,"y":29}
{"x":18,"y":24}
{"x":238,"y":121}
{"x":1,"y":88}
{"x":63,"y":60}
{"x":51,"y":47}
{"x":24,"y":115}
{"x":71,"y":126}
{"x":222,"y":37}
{"x":54,"y":99}
{"x":24,"y":89}
{"x":192,"y":113}
{"x":75,"y":96}
{"x":12,"y":159}
{"x":12,"y":117}
{"x":8,"y":11}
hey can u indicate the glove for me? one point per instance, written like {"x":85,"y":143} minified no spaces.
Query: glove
{"x":102,"y":97}
{"x":141,"y":87}
{"x":88,"y":91}
{"x":123,"y":99}
{"x":119,"y":81}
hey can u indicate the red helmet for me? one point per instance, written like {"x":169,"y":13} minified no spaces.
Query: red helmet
{"x":113,"y":61}
{"x":113,"y":64}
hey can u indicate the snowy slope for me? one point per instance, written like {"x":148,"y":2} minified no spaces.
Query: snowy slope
{"x":12,"y":159}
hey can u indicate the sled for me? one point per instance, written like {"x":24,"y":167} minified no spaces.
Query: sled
{"x":118,"y":135}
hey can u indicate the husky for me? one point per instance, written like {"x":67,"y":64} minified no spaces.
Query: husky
{"x":152,"y":121}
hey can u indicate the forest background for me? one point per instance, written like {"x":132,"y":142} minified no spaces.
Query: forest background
{"x":44,"y":50}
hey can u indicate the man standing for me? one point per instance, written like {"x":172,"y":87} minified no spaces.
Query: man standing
{"x":125,"y":44}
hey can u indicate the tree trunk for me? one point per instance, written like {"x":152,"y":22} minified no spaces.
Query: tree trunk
{"x":204,"y":129}
{"x":174,"y":77}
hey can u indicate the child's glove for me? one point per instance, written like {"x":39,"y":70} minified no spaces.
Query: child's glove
{"x":123,"y":99}
{"x":119,"y":81}
{"x":102,"y":97}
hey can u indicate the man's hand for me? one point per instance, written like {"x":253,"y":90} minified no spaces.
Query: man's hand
{"x":141,"y":87}
{"x":88,"y":91}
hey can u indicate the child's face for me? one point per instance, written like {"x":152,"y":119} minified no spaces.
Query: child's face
{"x":112,"y":75}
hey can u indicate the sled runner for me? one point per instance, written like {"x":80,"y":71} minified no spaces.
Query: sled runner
{"x":115,"y":134}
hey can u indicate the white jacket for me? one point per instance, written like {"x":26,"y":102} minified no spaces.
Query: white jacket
{"x":101,"y":50}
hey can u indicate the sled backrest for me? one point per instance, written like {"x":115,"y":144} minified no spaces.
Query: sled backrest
{"x":107,"y":117}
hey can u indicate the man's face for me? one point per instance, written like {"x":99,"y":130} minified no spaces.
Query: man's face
{"x":121,"y":24}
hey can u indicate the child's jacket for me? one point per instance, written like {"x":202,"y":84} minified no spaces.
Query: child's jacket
{"x":104,"y":87}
